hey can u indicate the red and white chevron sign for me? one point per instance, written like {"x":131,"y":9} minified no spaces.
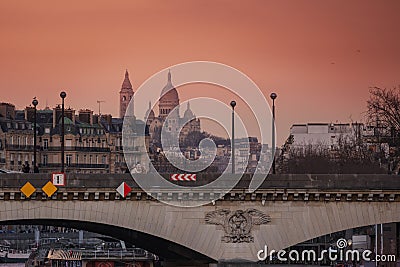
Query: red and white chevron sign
{"x":183,"y":177}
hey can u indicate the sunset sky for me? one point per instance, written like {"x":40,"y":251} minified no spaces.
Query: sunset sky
{"x":320,"y":57}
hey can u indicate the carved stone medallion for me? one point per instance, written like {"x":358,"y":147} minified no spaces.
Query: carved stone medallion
{"x":237,"y":224}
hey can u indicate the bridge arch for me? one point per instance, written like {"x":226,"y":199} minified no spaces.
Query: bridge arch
{"x":183,"y":232}
{"x":165,"y":249}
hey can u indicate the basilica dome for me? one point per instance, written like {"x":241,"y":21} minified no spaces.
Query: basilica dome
{"x":169,"y":99}
{"x":169,"y":92}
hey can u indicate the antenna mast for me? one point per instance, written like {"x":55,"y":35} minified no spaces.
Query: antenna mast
{"x":99,"y":102}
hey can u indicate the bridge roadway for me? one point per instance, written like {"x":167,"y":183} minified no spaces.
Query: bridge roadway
{"x":284,"y":211}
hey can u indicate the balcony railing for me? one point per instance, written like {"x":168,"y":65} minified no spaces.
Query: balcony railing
{"x":20,"y":147}
{"x":130,"y":149}
{"x":76,"y":148}
{"x":75,"y":165}
{"x":57,"y":148}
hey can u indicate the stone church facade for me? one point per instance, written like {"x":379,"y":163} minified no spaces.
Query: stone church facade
{"x":169,"y":116}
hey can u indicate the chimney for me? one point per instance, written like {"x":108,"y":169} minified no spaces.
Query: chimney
{"x":107,"y":118}
{"x":95,"y":119}
{"x":7,"y":110}
{"x":70,"y":114}
{"x":86,"y":116}
{"x":56,"y":115}
{"x":29,"y":114}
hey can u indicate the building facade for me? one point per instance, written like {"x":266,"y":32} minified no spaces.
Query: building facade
{"x":93,"y":142}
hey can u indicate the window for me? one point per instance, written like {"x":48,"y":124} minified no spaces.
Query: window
{"x":45,"y":160}
{"x":69,"y":160}
{"x":68,"y":142}
{"x":90,"y":159}
{"x":97,"y":159}
{"x":104,"y":159}
{"x":77,"y":159}
{"x":45,"y":143}
{"x":84,"y":159}
{"x":18,"y":140}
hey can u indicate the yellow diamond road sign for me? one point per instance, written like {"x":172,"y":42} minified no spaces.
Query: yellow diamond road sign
{"x":49,"y":189}
{"x":28,"y":189}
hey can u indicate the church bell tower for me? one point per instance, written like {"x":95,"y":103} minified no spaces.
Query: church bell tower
{"x":125,"y":95}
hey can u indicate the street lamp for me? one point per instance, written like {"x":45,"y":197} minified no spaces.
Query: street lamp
{"x":233,"y":104}
{"x":63,"y":95}
{"x":273,"y":97}
{"x":34,"y":103}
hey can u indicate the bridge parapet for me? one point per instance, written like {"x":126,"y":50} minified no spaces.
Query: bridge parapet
{"x":275,"y":188}
{"x":361,"y":182}
{"x":262,"y":195}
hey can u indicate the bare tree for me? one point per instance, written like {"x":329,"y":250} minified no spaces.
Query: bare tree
{"x":384,"y":106}
{"x":345,"y":158}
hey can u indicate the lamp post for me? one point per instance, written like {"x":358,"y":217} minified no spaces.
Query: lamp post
{"x":233,"y":104}
{"x":63,"y":95}
{"x":34,"y":103}
{"x":273,"y":97}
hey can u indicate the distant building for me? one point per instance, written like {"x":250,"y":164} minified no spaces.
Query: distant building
{"x":329,"y":136}
{"x":16,"y":139}
{"x":93,"y":143}
{"x":324,"y":135}
{"x":247,"y":153}
{"x":169,"y":117}
{"x":332,"y":138}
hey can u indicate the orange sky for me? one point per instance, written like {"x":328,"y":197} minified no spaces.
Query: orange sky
{"x":319,"y":56}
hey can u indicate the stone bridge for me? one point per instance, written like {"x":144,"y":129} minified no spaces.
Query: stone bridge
{"x":284,"y":211}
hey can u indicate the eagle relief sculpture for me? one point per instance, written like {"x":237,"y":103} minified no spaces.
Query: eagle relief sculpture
{"x":237,"y":224}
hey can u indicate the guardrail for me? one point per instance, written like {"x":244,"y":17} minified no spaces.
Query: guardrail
{"x":290,"y":181}
{"x":116,"y":254}
{"x":110,"y":254}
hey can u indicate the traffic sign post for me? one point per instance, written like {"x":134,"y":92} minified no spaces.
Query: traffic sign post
{"x":58,"y":178}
